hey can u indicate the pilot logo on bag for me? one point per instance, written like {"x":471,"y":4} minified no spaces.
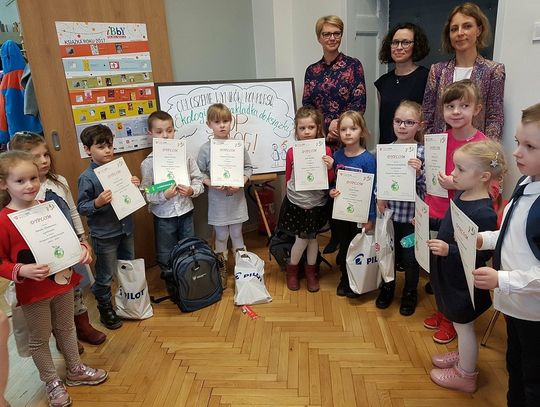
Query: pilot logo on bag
{"x":359,"y":257}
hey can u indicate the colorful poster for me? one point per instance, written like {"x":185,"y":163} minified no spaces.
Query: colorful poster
{"x":109,"y":79}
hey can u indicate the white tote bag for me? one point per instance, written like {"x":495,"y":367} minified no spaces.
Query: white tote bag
{"x":384,"y":244}
{"x":132,"y":299}
{"x":362,"y":265}
{"x":249,"y":285}
{"x":20,"y":327}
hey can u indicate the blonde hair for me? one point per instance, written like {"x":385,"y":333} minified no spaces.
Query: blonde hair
{"x":311,"y":113}
{"x":470,"y":10}
{"x":464,"y":89}
{"x":358,"y":120}
{"x":27,"y":141}
{"x":332,"y":20}
{"x":417,"y":108}
{"x":531,"y":115}
{"x":217,"y":112}
{"x":8,"y":160}
{"x":489,"y":157}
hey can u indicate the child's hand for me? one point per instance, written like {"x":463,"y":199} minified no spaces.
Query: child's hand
{"x":416,"y":164}
{"x":413,"y":221}
{"x":38,"y":272}
{"x":184,"y":190}
{"x":103,"y":199}
{"x":446,"y":181}
{"x":486,"y":278}
{"x":369,"y":226}
{"x":438,"y":247}
{"x":170,"y":192}
{"x":329,"y":161}
{"x":86,"y":254}
{"x":381,"y":205}
{"x":232,"y":190}
{"x":333,"y":193}
{"x":135,"y":181}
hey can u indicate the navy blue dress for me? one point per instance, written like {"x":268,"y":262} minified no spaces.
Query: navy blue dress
{"x":447,"y":275}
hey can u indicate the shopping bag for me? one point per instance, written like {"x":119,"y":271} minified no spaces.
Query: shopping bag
{"x":362,"y":265}
{"x":384,"y":244}
{"x":249,"y":285}
{"x":132,"y":299}
{"x":20,"y":328}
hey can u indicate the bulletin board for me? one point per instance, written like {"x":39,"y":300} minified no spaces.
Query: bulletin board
{"x":109,"y":79}
{"x":263,"y":115}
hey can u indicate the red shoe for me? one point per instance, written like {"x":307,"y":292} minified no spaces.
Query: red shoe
{"x":455,"y":378}
{"x":445,"y":360}
{"x":446,"y":332}
{"x":311,"y":278}
{"x":292,"y":277}
{"x":434,"y":321}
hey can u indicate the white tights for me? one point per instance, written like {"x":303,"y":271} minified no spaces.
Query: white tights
{"x":467,"y":346}
{"x":222,"y":237}
{"x":298,"y":249}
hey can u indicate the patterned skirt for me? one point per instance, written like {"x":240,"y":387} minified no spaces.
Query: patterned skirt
{"x":305,"y":223}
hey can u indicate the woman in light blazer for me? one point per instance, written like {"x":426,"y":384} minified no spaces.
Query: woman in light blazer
{"x":467,"y":31}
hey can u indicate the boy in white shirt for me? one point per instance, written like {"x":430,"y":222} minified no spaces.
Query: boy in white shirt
{"x":516,"y":273}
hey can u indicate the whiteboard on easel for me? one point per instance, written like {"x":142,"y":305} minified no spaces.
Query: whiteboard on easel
{"x":263,"y":115}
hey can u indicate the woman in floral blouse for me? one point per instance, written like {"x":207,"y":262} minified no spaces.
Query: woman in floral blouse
{"x":335,"y":83}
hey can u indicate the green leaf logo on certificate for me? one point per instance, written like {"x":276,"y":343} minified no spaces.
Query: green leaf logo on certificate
{"x":350,"y":208}
{"x":58,"y":252}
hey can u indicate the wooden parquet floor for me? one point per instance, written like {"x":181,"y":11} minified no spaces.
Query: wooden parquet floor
{"x":304,"y":350}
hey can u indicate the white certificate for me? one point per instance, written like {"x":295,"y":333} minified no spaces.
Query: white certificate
{"x":396,"y":179}
{"x":310,"y":171}
{"x":170,"y":161}
{"x":421,"y":233}
{"x":435,"y":162}
{"x":49,"y":235}
{"x":126,"y":197}
{"x":465,"y":232}
{"x":356,"y":191}
{"x":227,"y":162}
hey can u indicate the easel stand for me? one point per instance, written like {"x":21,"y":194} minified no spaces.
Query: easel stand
{"x":258,"y":183}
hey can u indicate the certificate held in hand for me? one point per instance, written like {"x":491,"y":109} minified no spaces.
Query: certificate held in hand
{"x":227,"y":162}
{"x":126,"y":197}
{"x":396,"y":179}
{"x":435,"y":153}
{"x":421,"y":233}
{"x":355,"y":192}
{"x":49,"y":235}
{"x":310,"y":172}
{"x":170,"y":161}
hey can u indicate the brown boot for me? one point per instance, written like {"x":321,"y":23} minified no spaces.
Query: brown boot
{"x":311,"y":278}
{"x":292,"y":277}
{"x":86,"y":332}
{"x":222,"y":267}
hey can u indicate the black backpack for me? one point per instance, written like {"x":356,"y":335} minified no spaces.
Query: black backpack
{"x":193,"y":280}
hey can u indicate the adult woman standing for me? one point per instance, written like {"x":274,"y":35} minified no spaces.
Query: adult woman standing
{"x":467,"y":31}
{"x":404,"y":45}
{"x":335,"y":83}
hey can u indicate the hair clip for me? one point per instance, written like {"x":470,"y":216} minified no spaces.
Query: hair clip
{"x":495,"y":162}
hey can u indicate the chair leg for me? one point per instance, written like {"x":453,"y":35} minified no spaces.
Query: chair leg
{"x":489,"y":328}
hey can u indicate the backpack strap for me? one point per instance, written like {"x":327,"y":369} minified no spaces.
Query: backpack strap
{"x":155,"y":300}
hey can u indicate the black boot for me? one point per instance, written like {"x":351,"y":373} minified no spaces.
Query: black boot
{"x":386,"y":295}
{"x":108,"y":316}
{"x":408,"y":302}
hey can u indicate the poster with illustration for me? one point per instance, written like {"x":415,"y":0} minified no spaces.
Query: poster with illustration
{"x":109,"y":79}
{"x":263,"y":116}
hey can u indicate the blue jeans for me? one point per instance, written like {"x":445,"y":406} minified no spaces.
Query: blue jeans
{"x":168,"y":232}
{"x":108,"y":251}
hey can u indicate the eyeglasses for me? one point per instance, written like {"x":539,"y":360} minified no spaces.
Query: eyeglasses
{"x":406,"y":123}
{"x":404,"y":43}
{"x":328,"y":35}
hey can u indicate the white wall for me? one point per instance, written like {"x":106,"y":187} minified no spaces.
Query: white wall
{"x":521,"y":57}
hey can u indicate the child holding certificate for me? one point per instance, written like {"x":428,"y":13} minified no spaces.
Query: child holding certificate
{"x":47,"y":302}
{"x":112,"y":238}
{"x":55,"y":183}
{"x":461,"y":103}
{"x":172,"y":208}
{"x":303,"y":213}
{"x":408,"y":128}
{"x":353,"y":156}
{"x":477,"y":165}
{"x":227,"y":206}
